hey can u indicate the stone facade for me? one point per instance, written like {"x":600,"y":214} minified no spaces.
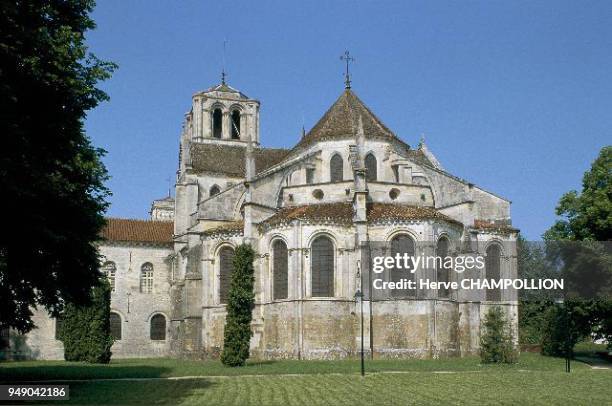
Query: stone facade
{"x":311,"y":213}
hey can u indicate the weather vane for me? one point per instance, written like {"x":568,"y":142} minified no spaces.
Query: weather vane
{"x":347,"y":76}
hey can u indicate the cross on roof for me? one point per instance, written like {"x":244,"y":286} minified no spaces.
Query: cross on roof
{"x":347,"y":76}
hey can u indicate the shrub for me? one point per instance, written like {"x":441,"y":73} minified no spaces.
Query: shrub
{"x":496,"y":345}
{"x":241,"y":298}
{"x":85,"y":330}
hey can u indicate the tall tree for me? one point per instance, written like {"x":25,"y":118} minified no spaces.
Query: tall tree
{"x":51,"y":176}
{"x":580,"y":242}
{"x":237,"y":333}
{"x":588,"y":215}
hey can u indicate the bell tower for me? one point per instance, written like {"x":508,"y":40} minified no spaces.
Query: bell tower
{"x":224,"y":115}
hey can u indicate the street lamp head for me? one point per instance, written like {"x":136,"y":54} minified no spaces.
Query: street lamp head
{"x":559,"y":301}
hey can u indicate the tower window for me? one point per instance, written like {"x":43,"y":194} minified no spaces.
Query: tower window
{"x":235,"y":125}
{"x":217,"y":119}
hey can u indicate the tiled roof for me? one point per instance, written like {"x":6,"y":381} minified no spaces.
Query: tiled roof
{"x":338,"y":212}
{"x":230,"y":227}
{"x":132,"y":230}
{"x":343,"y":213}
{"x":230,"y":160}
{"x":341,"y":120}
{"x":494,"y":226}
{"x":387,"y":211}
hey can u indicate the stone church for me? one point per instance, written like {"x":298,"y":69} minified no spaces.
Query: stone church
{"x":310,"y":212}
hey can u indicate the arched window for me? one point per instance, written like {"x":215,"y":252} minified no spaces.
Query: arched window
{"x":58,"y":327}
{"x":402,"y":244}
{"x":226,"y":266}
{"x":236,"y":124}
{"x":280,"y":269}
{"x":492,"y":266}
{"x":217,"y":123}
{"x":442,"y":271}
{"x":214,"y":190}
{"x":115,"y":326}
{"x":158,"y":327}
{"x":371,"y":170}
{"x":146,"y":278}
{"x":336,"y":169}
{"x":5,"y":338}
{"x":109,"y":270}
{"x":322,"y":267}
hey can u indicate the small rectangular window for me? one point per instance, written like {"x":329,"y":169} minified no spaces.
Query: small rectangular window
{"x":396,"y":173}
{"x":310,"y":172}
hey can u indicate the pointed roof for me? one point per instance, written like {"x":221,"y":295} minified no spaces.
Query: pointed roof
{"x":340,"y":121}
{"x":225,"y":88}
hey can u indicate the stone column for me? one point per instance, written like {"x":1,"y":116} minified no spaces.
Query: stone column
{"x":206,"y":123}
{"x":226,"y":133}
{"x":197,"y":125}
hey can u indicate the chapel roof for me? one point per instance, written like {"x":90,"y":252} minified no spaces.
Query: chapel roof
{"x":342,"y":213}
{"x":502,"y":227}
{"x":230,"y":160}
{"x":229,"y":227}
{"x":341,"y":120}
{"x":134,"y":230}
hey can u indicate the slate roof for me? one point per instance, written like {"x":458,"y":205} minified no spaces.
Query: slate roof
{"x":230,"y":160}
{"x":342,"y":119}
{"x":133,"y":230}
{"x":342,"y":213}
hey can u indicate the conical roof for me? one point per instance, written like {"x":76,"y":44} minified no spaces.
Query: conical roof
{"x":341,"y":121}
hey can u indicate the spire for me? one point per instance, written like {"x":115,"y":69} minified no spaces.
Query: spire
{"x":223,"y":68}
{"x":347,"y":76}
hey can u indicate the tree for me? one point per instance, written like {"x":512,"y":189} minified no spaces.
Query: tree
{"x":51,"y":177}
{"x":580,"y":243}
{"x":237,"y":334}
{"x":85,"y":329}
{"x":496,"y":344}
{"x":588,"y":215}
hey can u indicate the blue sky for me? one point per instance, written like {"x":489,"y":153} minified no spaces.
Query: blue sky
{"x":514,"y":96}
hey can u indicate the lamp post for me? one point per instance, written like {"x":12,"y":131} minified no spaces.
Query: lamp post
{"x":568,"y":339}
{"x":359,"y":298}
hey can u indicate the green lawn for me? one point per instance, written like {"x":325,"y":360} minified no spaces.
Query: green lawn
{"x":534,"y":380}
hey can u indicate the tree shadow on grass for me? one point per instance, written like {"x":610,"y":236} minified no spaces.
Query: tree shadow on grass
{"x":139,"y":392}
{"x":78,"y":371}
